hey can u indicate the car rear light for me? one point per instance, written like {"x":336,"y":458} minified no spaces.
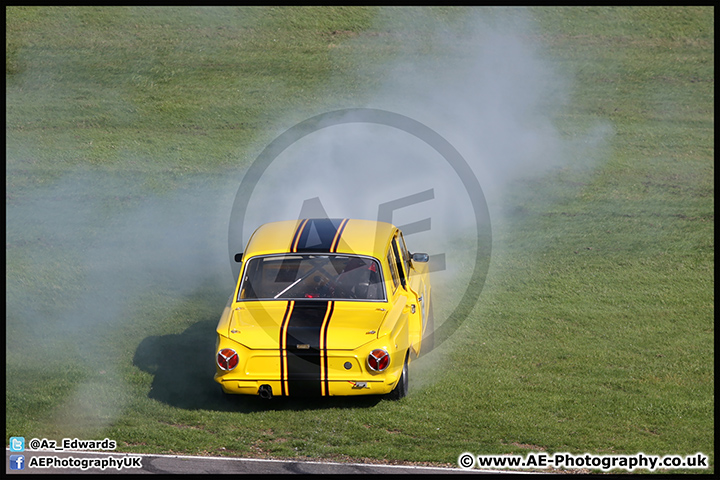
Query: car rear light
{"x":378,"y":360}
{"x":227,"y":359}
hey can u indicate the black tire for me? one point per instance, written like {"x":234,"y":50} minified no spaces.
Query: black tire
{"x":401,"y":389}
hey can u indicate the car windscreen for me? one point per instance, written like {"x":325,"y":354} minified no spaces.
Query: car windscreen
{"x":309,"y":276}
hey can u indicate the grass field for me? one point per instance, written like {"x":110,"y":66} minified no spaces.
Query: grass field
{"x":129,"y":129}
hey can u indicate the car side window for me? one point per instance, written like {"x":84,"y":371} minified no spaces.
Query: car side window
{"x":405,"y":254}
{"x":393,"y":268}
{"x":398,"y":262}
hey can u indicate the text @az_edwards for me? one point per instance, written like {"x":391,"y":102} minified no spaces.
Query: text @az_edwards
{"x":71,"y":444}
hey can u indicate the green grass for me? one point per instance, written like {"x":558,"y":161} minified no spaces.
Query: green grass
{"x":594,"y":332}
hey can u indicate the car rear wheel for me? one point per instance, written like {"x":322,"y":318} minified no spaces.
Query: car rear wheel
{"x":401,"y":389}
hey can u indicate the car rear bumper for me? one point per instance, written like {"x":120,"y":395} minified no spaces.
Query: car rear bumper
{"x":339,"y":373}
{"x":335,"y":388}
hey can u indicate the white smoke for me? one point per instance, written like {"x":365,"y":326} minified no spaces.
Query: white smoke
{"x":484,"y":82}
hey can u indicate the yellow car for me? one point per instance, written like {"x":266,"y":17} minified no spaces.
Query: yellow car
{"x":324,"y":307}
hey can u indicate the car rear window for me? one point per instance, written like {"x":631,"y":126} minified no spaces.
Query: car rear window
{"x":309,"y":276}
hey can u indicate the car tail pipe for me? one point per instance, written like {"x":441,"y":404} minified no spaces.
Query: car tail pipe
{"x":265,"y":391}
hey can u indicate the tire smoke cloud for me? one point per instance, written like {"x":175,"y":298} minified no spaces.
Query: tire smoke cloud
{"x":88,"y":249}
{"x":481,"y":80}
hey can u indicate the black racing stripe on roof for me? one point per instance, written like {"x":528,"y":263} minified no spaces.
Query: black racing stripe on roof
{"x":317,"y":235}
{"x":336,"y":240}
{"x":298,"y":231}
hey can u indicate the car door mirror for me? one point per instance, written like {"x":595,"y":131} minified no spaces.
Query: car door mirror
{"x":238,"y":257}
{"x":420,"y":257}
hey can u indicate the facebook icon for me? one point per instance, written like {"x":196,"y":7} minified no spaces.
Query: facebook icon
{"x":17,"y":462}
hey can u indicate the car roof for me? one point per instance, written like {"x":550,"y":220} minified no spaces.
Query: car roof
{"x":321,"y":235}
